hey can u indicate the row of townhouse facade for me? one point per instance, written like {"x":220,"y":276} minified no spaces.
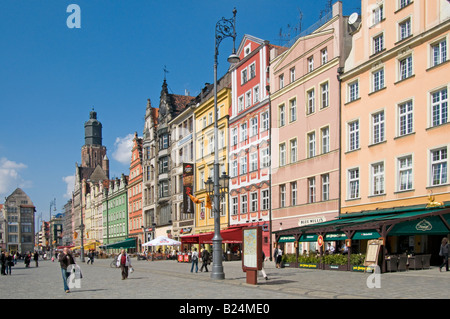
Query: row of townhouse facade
{"x":353,"y":116}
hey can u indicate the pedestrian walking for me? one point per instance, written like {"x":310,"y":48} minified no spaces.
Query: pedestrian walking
{"x":65,"y":260}
{"x":205,"y":260}
{"x":123,"y":261}
{"x":263,"y":272}
{"x":90,"y":258}
{"x":443,"y":252}
{"x":27,"y":260}
{"x":36,"y":258}
{"x":277,"y":255}
{"x":194,"y":260}
{"x":3,"y":263}
{"x":9,"y":263}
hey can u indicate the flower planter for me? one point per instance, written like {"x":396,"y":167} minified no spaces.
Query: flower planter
{"x":335,"y":267}
{"x":290,"y":264}
{"x":361,"y":268}
{"x":308,"y":266}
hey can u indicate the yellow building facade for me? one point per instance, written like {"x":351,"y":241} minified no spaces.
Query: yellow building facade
{"x":204,"y":153}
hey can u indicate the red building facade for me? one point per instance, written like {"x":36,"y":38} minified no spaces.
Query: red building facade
{"x":135,"y":185}
{"x":249,"y":144}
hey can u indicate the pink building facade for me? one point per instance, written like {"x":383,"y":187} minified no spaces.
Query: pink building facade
{"x":395,"y":125}
{"x":249,"y":123}
{"x":305,"y":135}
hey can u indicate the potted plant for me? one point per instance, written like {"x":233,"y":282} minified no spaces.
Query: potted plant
{"x":335,"y":262}
{"x":289,"y":260}
{"x":310,"y":261}
{"x":357,"y":262}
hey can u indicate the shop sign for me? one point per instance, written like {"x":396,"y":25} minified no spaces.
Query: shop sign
{"x":310,"y":221}
{"x":424,"y":225}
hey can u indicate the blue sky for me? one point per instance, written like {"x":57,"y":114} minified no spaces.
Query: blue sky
{"x":51,"y":76}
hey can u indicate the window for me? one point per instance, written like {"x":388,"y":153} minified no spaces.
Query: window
{"x":248,"y":99}
{"x":439,"y":105}
{"x":234,"y":206}
{"x":310,"y":64}
{"x":210,"y":116}
{"x":325,"y":137}
{"x":164,"y":141}
{"x":292,"y":74}
{"x":293,"y":110}
{"x":265,"y":199}
{"x":252,"y":71}
{"x":234,"y":168}
{"x":240,"y":103}
{"x":283,"y":195}
{"x":311,"y":144}
{"x":324,"y":94}
{"x":312,"y":190}
{"x":254,"y":126}
{"x":439,"y":52}
{"x":234,"y":136}
{"x":281,"y":81}
{"x":405,"y":68}
{"x":282,"y":115}
{"x":324,"y":55}
{"x":293,"y":150}
{"x":243,"y":204}
{"x":310,"y":107}
{"x":282,"y":154}
{"x":325,"y":187}
{"x":378,"y":127}
{"x":405,"y":116}
{"x":244,"y":78}
{"x":378,"y":43}
{"x":405,"y":176}
{"x":377,"y":14}
{"x":404,"y":3}
{"x":243,"y":165}
{"x":353,"y":135}
{"x":294,"y":193}
{"x":243,"y":132}
{"x":254,"y":202}
{"x":256,"y":94}
{"x":211,"y":144}
{"x":439,"y":166}
{"x":265,"y":158}
{"x":404,"y":29}
{"x":253,"y":162}
{"x":377,"y":178}
{"x":265,"y":121}
{"x":378,"y":80}
{"x":353,"y":183}
{"x":164,"y":165}
{"x":353,"y":91}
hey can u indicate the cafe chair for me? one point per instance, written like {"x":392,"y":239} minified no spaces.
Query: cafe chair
{"x":426,"y":261}
{"x":415,"y":262}
{"x":402,"y":263}
{"x":391,"y":263}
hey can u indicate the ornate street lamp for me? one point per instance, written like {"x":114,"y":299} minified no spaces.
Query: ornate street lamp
{"x":225,"y":28}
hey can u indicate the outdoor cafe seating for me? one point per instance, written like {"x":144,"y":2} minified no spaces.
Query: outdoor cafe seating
{"x":405,"y":262}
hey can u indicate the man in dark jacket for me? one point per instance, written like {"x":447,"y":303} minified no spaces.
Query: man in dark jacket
{"x":65,"y":260}
{"x":205,"y":260}
{"x":36,"y":258}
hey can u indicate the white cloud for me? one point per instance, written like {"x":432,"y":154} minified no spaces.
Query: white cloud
{"x":70,"y":181}
{"x":10,"y":177}
{"x":122,"y":149}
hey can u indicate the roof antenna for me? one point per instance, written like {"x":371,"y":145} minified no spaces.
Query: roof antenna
{"x":165,"y":72}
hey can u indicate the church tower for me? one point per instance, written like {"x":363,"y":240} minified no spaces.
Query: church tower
{"x":93,"y":153}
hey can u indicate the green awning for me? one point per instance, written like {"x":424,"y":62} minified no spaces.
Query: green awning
{"x":308,"y":237}
{"x":286,"y":239}
{"x":366,"y":234}
{"x":431,"y":225}
{"x":335,"y":236}
{"x":127,"y":243}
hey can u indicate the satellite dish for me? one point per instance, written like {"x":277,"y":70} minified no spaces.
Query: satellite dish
{"x":353,"y":17}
